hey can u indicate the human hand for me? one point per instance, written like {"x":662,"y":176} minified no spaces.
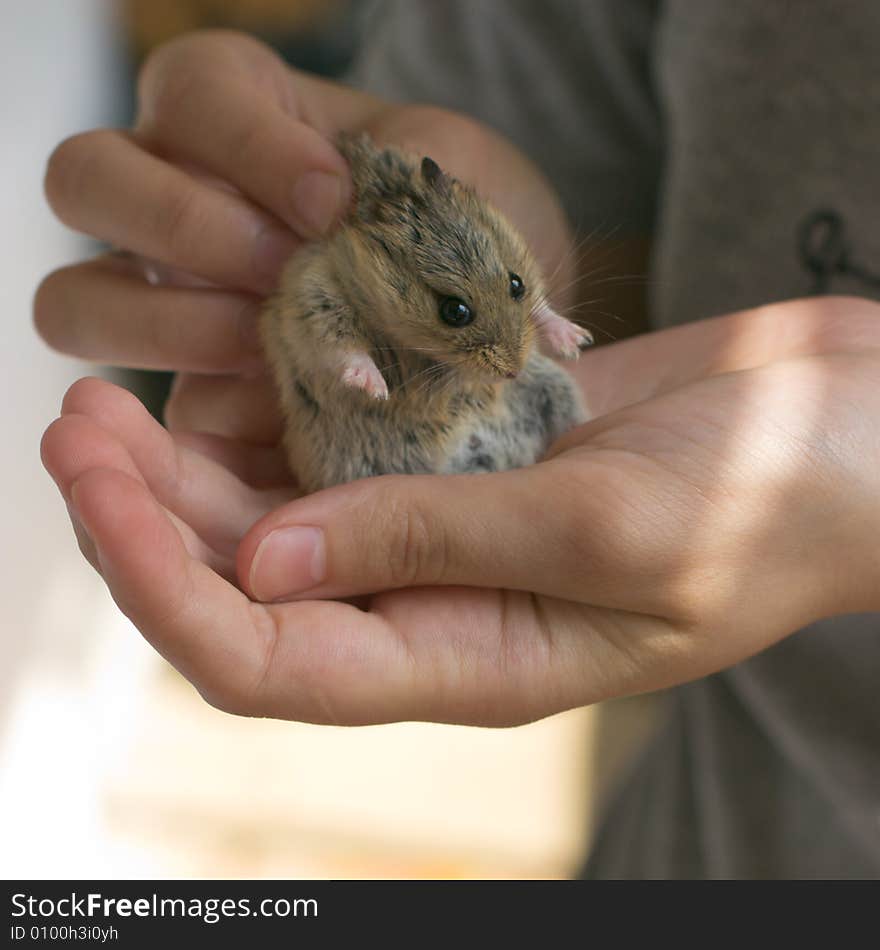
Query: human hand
{"x":228,"y":169}
{"x":725,"y":498}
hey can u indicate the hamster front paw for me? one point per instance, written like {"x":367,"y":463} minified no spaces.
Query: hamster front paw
{"x":360,"y":372}
{"x":563,"y":338}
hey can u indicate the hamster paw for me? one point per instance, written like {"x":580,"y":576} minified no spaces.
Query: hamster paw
{"x":361,"y":372}
{"x":564,"y":338}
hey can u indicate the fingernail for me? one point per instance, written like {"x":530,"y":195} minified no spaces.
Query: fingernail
{"x":288,"y":561}
{"x":317,"y":199}
{"x":273,"y":248}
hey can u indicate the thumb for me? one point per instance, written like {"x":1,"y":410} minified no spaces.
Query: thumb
{"x":489,"y":530}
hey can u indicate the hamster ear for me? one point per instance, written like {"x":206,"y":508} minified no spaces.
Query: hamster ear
{"x":432,"y":173}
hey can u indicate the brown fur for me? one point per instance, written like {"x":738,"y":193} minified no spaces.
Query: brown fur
{"x":413,"y":236}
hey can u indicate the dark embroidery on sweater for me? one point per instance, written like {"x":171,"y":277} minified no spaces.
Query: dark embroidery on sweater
{"x":825,"y":251}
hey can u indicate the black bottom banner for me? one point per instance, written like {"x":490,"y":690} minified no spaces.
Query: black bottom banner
{"x":391,"y":913}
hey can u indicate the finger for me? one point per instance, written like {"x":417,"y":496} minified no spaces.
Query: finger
{"x":625,"y":373}
{"x":452,"y":655}
{"x":320,"y":662}
{"x":211,"y":500}
{"x":468,"y":655}
{"x":549,"y":529}
{"x":104,"y":184}
{"x":104,"y":312}
{"x":157,"y":274}
{"x":199,"y":103}
{"x":235,"y":407}
{"x":503,"y":658}
{"x":446,"y":655}
{"x":256,"y":465}
{"x":195,"y":619}
{"x":73,"y":444}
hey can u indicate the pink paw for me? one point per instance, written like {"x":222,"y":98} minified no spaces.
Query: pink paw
{"x":564,"y":338}
{"x":361,"y":372}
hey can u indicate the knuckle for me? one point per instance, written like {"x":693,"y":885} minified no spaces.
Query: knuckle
{"x":247,"y":688}
{"x":68,"y":166}
{"x":416,"y":552}
{"x":100,"y":399}
{"x":174,"y":69}
{"x":830,"y":323}
{"x":191,"y":405}
{"x":578,"y":532}
{"x":849,"y":322}
{"x":87,"y":549}
{"x":83,"y":396}
{"x":168,"y":73}
{"x":47,"y":306}
{"x":433,"y":120}
{"x":175,"y":412}
{"x":578,"y":540}
{"x":695,"y":597}
{"x":179,"y":223}
{"x":232,"y":699}
{"x":250,"y":142}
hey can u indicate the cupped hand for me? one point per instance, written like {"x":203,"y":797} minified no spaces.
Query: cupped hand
{"x":229,"y":168}
{"x":724,"y":497}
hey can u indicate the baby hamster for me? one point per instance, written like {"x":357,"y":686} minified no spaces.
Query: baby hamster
{"x":405,"y":341}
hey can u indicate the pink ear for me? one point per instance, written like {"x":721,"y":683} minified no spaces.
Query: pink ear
{"x":564,"y":338}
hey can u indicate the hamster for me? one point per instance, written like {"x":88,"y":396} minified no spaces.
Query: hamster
{"x":405,"y":342}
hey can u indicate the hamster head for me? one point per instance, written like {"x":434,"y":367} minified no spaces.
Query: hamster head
{"x":438,"y":269}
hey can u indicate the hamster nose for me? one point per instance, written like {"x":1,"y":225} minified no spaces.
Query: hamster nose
{"x":510,"y":375}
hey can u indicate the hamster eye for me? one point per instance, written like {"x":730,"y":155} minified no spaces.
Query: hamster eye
{"x":517,"y":287}
{"x":455,"y":312}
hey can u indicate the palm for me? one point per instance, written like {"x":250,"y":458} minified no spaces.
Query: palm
{"x":656,"y":469}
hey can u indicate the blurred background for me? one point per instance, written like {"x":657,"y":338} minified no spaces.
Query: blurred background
{"x":110,"y":764}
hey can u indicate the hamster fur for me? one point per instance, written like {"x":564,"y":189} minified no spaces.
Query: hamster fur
{"x":406,"y":341}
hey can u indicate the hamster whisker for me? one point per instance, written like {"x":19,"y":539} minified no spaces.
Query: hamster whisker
{"x":431,"y":378}
{"x":432,"y":367}
{"x":601,"y":329}
{"x":563,"y":311}
{"x":602,"y":245}
{"x":388,"y":366}
{"x":402,"y":349}
{"x":447,"y":383}
{"x":586,"y":250}
{"x":621,"y":278}
{"x":591,"y":265}
{"x":606,"y":313}
{"x":577,"y":245}
{"x":448,"y":376}
{"x":579,"y":279}
{"x":406,"y":349}
{"x":598,"y":328}
{"x":427,"y":371}
{"x":583,"y":306}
